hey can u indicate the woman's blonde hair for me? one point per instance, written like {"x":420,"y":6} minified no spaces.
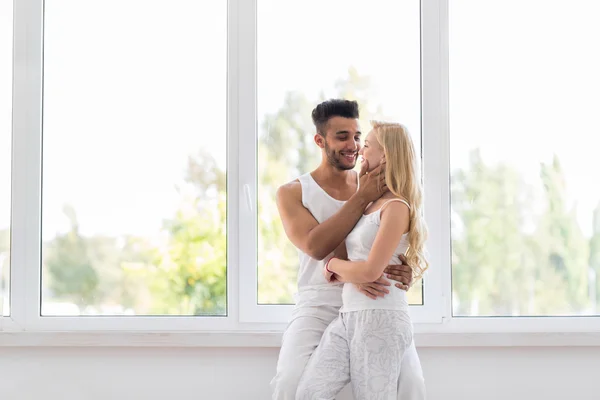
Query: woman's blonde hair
{"x":402,"y":177}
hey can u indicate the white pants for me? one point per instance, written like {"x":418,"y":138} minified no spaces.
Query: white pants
{"x":302,"y":337}
{"x":363,"y":347}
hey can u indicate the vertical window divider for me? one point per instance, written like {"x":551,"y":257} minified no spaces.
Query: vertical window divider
{"x":26,"y":164}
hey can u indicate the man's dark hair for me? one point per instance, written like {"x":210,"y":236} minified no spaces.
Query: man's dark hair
{"x":333,"y":108}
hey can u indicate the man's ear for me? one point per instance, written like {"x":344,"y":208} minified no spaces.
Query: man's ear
{"x":320,"y":140}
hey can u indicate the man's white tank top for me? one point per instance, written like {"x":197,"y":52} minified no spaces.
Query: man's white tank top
{"x":313,"y":289}
{"x":358,"y":244}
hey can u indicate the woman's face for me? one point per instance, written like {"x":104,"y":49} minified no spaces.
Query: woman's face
{"x":372,"y":151}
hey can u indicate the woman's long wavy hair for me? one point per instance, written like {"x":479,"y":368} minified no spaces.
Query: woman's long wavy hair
{"x":403,"y":179}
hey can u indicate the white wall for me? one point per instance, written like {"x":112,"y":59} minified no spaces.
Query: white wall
{"x":236,"y":374}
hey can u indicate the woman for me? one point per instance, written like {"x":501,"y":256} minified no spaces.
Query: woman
{"x":366,"y":343}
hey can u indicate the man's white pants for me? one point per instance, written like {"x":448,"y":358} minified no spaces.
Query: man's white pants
{"x":302,"y":337}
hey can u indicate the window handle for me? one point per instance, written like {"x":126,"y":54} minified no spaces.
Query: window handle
{"x":248,"y":197}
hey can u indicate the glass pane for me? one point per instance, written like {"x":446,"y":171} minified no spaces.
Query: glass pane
{"x":524,"y":157}
{"x":369,"y":54}
{"x":6,"y":37}
{"x":134,"y":158}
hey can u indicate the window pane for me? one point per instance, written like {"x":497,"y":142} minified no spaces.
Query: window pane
{"x":134,"y":158}
{"x":524,"y":157}
{"x":369,"y":54}
{"x":6,"y":37}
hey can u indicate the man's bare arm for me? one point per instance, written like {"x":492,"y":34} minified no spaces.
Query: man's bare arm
{"x":305,"y":232}
{"x":319,"y":240}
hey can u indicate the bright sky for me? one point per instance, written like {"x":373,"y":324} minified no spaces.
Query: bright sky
{"x":133,"y":87}
{"x":524,"y":84}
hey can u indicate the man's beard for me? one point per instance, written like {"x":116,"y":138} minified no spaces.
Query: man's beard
{"x":335,"y":161}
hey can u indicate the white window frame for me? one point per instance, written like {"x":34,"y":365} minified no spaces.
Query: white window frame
{"x":243,"y":313}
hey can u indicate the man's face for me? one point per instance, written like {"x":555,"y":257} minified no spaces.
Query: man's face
{"x":342,"y":142}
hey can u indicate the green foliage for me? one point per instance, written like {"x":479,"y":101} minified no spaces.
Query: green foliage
{"x":69,"y":261}
{"x":501,"y":266}
{"x":192,"y":273}
{"x":286,"y":150}
{"x":191,"y":269}
{"x":490,"y":253}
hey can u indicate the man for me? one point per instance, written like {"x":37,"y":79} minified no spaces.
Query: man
{"x":318,"y":210}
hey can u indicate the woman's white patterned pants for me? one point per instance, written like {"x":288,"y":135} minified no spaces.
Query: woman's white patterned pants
{"x":365,"y":348}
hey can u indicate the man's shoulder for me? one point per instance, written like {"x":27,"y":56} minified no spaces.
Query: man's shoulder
{"x":291,"y":185}
{"x":290,"y":190}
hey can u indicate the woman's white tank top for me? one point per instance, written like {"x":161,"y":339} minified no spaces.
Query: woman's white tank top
{"x":359,"y":243}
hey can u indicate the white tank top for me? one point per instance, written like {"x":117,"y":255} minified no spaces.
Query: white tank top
{"x":359,"y":243}
{"x":313,"y":289}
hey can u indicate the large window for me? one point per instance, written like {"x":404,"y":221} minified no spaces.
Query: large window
{"x":142,"y":143}
{"x":6,"y":47}
{"x":524,"y":140}
{"x":134,"y":144}
{"x":369,"y":54}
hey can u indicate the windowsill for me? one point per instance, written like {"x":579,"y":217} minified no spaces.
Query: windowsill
{"x":240,"y":339}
